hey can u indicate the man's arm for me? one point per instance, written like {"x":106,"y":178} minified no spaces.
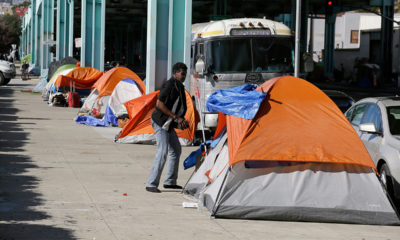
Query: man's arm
{"x":181,"y":121}
{"x":160,"y":105}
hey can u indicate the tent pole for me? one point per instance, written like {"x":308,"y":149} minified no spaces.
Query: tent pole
{"x":191,"y":175}
{"x":201,"y":119}
{"x":297,"y":43}
{"x":215,"y":207}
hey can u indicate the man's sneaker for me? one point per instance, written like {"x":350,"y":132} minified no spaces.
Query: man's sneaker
{"x":153,"y":189}
{"x":174,"y":186}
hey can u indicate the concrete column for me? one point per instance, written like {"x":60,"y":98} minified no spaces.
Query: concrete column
{"x":180,"y":25}
{"x":60,"y":52}
{"x":168,"y":39}
{"x":70,"y":12}
{"x":34,"y":29}
{"x":92,"y":32}
{"x":157,"y":44}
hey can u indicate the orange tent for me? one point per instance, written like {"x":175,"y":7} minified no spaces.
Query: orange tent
{"x":139,"y":129}
{"x":83,"y":77}
{"x":296,"y":122}
{"x":106,"y":84}
{"x":298,"y":159}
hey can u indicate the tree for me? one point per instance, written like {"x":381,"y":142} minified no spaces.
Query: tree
{"x":25,"y":4}
{"x":10,"y":31}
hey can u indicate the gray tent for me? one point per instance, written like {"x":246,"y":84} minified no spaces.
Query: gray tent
{"x":318,"y":192}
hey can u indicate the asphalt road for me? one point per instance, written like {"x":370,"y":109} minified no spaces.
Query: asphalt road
{"x":60,"y":180}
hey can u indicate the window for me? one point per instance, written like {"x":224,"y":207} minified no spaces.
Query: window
{"x":248,"y":54}
{"x":373,"y":115}
{"x":354,"y":36}
{"x":201,"y":49}
{"x":223,"y":55}
{"x":394,"y":119}
{"x":358,"y":113}
{"x":349,"y":114}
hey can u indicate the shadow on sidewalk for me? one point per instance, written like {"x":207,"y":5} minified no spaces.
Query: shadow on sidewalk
{"x":19,"y":197}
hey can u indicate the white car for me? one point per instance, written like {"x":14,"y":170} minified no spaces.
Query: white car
{"x":377,"y":122}
{"x":7,"y":71}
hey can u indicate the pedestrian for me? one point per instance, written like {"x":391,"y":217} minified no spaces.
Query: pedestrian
{"x":168,"y":115}
{"x":25,"y":68}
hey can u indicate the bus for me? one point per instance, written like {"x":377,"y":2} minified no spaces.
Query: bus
{"x":229,"y":53}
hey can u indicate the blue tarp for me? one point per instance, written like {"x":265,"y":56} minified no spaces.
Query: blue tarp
{"x":108,"y":119}
{"x":191,"y":160}
{"x":243,"y":101}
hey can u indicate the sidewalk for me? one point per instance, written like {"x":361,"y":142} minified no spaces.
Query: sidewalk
{"x":60,"y":180}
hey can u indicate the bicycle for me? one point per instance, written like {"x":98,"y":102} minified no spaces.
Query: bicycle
{"x":25,"y":74}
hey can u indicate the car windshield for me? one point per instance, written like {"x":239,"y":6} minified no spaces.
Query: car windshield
{"x":394,"y":119}
{"x":261,"y":54}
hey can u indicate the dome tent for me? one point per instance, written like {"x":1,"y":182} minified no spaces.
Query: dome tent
{"x":298,"y":159}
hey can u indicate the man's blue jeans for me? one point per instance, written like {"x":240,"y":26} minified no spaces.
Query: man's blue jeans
{"x":167,"y":142}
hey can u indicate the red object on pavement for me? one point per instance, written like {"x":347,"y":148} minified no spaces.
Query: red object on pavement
{"x":74,"y":99}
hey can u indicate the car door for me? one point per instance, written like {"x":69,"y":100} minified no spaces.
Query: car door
{"x":372,"y":141}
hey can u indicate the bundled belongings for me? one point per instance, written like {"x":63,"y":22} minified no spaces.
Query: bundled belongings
{"x":58,"y":100}
{"x":297,"y":159}
{"x":105,"y":104}
{"x":139,"y":129}
{"x":125,"y":90}
{"x":49,"y":88}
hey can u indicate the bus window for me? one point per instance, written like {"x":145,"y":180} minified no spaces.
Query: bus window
{"x":201,"y":49}
{"x":272,"y":55}
{"x":250,"y":54}
{"x":229,"y":55}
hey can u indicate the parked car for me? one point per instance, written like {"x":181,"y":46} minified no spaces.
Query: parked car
{"x":341,"y":99}
{"x":7,"y":71}
{"x":377,"y":122}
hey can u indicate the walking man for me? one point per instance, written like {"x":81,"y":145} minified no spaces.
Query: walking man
{"x":168,"y":115}
{"x":25,"y":69}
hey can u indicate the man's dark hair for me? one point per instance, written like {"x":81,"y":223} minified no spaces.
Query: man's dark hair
{"x":178,"y":67}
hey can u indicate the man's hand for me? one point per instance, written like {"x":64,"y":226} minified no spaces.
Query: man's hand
{"x":182,"y":123}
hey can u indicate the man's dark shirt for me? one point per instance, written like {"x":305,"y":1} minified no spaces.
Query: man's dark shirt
{"x":169,"y":93}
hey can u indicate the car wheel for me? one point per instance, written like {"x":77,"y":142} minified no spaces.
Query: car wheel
{"x":2,"y":79}
{"x":6,"y":81}
{"x":386,"y":178}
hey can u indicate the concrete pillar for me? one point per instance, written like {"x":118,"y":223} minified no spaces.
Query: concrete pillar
{"x":65,"y":23}
{"x":92,"y":33}
{"x":168,"y":39}
{"x":34,"y":29}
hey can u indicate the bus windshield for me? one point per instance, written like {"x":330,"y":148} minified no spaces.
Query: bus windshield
{"x":270,"y":55}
